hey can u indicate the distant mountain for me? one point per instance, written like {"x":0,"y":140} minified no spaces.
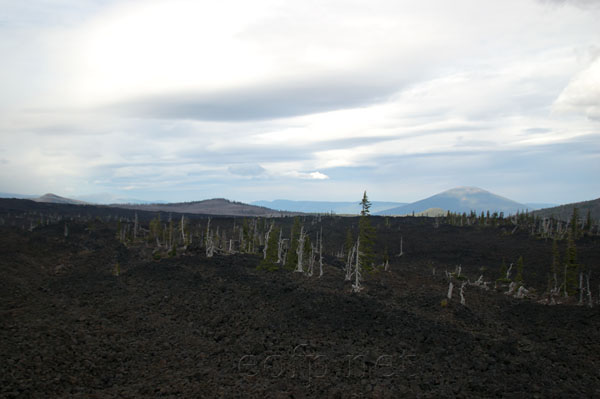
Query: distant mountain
{"x":107,"y":198}
{"x":102,"y":198}
{"x":18,"y":196}
{"x":216,"y":206}
{"x":134,"y":201}
{"x":539,"y":205}
{"x":55,"y":199}
{"x":340,"y":208}
{"x":460,"y":199}
{"x":564,"y":212}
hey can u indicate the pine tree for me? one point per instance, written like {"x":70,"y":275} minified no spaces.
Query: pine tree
{"x":555,"y":268}
{"x":119,"y":229}
{"x":575,"y":224}
{"x":156,"y":229}
{"x":171,"y":227}
{"x":365,"y":205}
{"x":291,"y":260}
{"x":503,"y":271}
{"x":270,"y":261}
{"x":519,"y":278}
{"x":136,"y":226}
{"x":366,"y":234}
{"x":588,"y":222}
{"x":571,"y":265}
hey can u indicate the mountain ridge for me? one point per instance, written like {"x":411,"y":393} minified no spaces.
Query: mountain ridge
{"x":57,"y":199}
{"x":460,"y":199}
{"x":338,"y":207}
{"x":214,"y":206}
{"x":565,"y":211}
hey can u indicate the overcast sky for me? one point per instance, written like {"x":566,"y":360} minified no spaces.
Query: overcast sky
{"x":248,"y":100}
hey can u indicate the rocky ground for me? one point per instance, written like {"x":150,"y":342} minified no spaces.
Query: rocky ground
{"x":191,"y":326}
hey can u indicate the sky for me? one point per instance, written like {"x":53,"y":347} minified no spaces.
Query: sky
{"x":313,"y":100}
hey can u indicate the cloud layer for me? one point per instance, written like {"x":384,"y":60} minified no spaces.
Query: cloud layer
{"x":182,"y":100}
{"x":260,"y":102}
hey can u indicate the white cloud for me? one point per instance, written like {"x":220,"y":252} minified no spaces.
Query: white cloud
{"x":318,"y":176}
{"x":582,"y":94}
{"x":307,"y":175}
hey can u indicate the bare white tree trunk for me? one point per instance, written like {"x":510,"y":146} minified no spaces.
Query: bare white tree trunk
{"x":280,"y":244}
{"x":170,"y":232}
{"x":565,"y":282}
{"x":217,"y":239}
{"x":401,"y":245}
{"x":341,"y":253}
{"x":481,"y":284}
{"x":311,"y":261}
{"x":300,"y":250}
{"x":321,"y":254}
{"x":255,"y":235}
{"x":450,"y":288}
{"x":242,"y":243}
{"x":462,"y":291}
{"x":580,"y":288}
{"x":554,"y":291}
{"x":183,"y":230}
{"x":589,"y":292}
{"x":508,"y":271}
{"x":521,"y":292}
{"x":210,"y":247}
{"x":357,"y":271}
{"x":349,"y":263}
{"x":267,"y":240}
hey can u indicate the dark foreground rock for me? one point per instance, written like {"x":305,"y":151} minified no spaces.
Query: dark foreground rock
{"x":196,"y":327}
